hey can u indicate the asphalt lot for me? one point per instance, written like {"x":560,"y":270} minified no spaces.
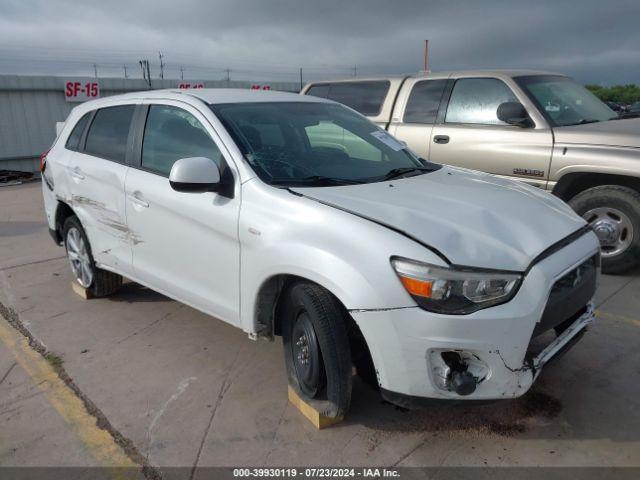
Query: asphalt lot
{"x":188,"y":390}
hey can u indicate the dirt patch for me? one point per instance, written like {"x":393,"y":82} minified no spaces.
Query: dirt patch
{"x":504,"y":418}
{"x":539,"y":403}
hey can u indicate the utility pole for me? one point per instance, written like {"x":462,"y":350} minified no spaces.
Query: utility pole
{"x":301,"y":85}
{"x":228,"y":76}
{"x":125,"y":71}
{"x":426,"y":55}
{"x":160,"y":56}
{"x":146,"y":73}
{"x":181,"y":73}
{"x":95,"y":70}
{"x":355,"y":70}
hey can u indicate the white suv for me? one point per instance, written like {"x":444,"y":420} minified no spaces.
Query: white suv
{"x":295,"y":216}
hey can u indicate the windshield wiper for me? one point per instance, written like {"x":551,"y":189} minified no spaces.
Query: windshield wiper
{"x":399,"y":172}
{"x":626,"y":115}
{"x":314,"y":180}
{"x":584,"y":121}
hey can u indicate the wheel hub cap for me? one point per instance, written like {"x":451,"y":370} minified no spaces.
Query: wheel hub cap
{"x":612,"y":227}
{"x":306,"y":356}
{"x":606,"y":231}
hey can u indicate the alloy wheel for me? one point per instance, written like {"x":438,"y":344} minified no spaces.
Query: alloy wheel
{"x":79,"y":257}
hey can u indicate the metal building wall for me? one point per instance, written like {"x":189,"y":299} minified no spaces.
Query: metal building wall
{"x":30,"y":106}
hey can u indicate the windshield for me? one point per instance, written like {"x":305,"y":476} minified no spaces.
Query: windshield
{"x":563,"y":101}
{"x":315,"y":144}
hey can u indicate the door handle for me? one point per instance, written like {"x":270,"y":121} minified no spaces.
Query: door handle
{"x":137,"y":198}
{"x":441,"y":139}
{"x":75,"y":172}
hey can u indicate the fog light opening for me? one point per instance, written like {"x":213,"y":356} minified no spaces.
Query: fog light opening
{"x":459,"y":379}
{"x":458,"y":371}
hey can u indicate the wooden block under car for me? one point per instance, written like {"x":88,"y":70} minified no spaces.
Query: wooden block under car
{"x":80,"y":290}
{"x":314,"y":416}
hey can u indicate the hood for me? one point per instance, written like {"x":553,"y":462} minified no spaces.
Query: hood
{"x":474,"y":219}
{"x":615,"y":133}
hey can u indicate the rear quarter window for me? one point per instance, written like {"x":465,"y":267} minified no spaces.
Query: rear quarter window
{"x":76,"y":134}
{"x":109,"y":131}
{"x":365,"y":97}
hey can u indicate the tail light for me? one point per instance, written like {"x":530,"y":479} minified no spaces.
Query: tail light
{"x":43,"y":161}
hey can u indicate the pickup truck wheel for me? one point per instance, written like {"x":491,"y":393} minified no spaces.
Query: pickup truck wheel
{"x":614,"y":213}
{"x":99,"y":282}
{"x":316,"y":348}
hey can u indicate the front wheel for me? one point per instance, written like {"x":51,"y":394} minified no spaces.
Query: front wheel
{"x":614,"y":213}
{"x":316,"y":348}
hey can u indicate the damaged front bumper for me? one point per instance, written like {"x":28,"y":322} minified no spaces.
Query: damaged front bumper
{"x":564,"y":341}
{"x":521,"y":378}
{"x":492,"y":354}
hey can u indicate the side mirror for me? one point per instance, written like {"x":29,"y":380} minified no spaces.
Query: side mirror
{"x":514,"y":113}
{"x":195,"y":175}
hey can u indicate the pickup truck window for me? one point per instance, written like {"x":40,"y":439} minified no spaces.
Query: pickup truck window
{"x":365,"y":97}
{"x":172,"y":133}
{"x":563,"y":101}
{"x":109,"y":131}
{"x":324,"y":144}
{"x":424,"y":101}
{"x":476,"y":100}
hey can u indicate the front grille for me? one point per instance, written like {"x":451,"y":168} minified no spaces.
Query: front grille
{"x":569,"y":295}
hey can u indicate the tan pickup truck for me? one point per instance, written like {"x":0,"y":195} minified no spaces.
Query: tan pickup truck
{"x":538,"y":127}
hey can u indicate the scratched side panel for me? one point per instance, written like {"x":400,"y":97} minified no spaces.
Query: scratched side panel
{"x":98,"y":200}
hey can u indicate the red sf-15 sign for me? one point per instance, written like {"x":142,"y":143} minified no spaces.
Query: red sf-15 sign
{"x":185,"y":85}
{"x":81,"y":90}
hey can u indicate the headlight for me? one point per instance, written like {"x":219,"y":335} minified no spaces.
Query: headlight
{"x":454,"y":291}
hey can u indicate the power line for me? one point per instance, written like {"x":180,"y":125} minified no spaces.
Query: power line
{"x":116,"y":52}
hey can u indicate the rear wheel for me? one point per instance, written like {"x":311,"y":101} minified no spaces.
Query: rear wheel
{"x":99,"y":282}
{"x":614,"y":213}
{"x":316,"y":348}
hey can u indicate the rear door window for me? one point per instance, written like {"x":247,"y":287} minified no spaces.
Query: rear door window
{"x":365,"y":97}
{"x":76,"y":134}
{"x":424,"y":101}
{"x":108,"y":133}
{"x":476,"y":100}
{"x":172,"y":133}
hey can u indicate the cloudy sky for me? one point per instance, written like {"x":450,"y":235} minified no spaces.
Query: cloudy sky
{"x":594,"y":41}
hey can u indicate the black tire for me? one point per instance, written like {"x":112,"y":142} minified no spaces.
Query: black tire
{"x":622,"y":199}
{"x":104,"y":282}
{"x":361,"y":358}
{"x":325,"y":380}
